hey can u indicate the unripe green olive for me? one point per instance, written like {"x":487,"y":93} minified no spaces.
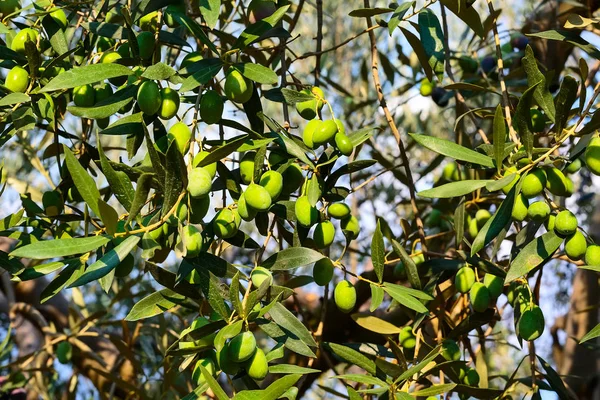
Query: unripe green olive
{"x":169,"y":103}
{"x":125,"y":266}
{"x":538,"y":120}
{"x":211,"y":168}
{"x":237,"y":87}
{"x":538,"y":211}
{"x":531,"y":324}
{"x":306,"y":214}
{"x":406,"y":338}
{"x":190,"y":58}
{"x":242,"y":347}
{"x":471,"y":377}
{"x":510,"y":171}
{"x":592,"y":255}
{"x":533,"y":183}
{"x":257,"y":197}
{"x":450,"y":172}
{"x":574,"y":166}
{"x":225,"y":362}
{"x":351,"y":227}
{"x":549,"y":223}
{"x":211,"y":107}
{"x":182,"y":135}
{"x":292,"y":179}
{"x":257,"y":365}
{"x":309,"y":109}
{"x":272,"y":181}
{"x":338,"y":210}
{"x":199,"y":182}
{"x":464,"y":279}
{"x":565,"y":223}
{"x":192,"y":239}
{"x":208,"y":364}
{"x":53,"y":203}
{"x":84,"y":96}
{"x":343,"y":144}
{"x":450,"y":350}
{"x":64,"y":352}
{"x":226,"y":223}
{"x":324,"y":234}
{"x":592,"y":156}
{"x":259,"y":275}
{"x":344,"y":295}
{"x":149,"y":22}
{"x":519,"y":211}
{"x":146,"y":43}
{"x":495,"y":285}
{"x":309,"y":132}
{"x":104,"y":43}
{"x":247,"y":167}
{"x":479,"y":296}
{"x":575,"y":246}
{"x":148,"y":97}
{"x":482,"y":216}
{"x":468,"y":64}
{"x":473,"y":228}
{"x":24,"y":35}
{"x":426,"y":87}
{"x":59,"y":16}
{"x":324,"y":132}
{"x":17,"y":80}
{"x":323,"y":271}
{"x":247,"y":213}
{"x":557,"y":183}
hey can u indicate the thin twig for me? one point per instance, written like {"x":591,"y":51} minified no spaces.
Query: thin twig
{"x":505,"y":98}
{"x":395,"y":132}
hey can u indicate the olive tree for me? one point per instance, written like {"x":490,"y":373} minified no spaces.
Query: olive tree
{"x":205,"y":198}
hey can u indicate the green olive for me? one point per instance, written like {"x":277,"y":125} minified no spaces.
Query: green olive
{"x":324,"y":132}
{"x":237,"y":87}
{"x":260,"y":275}
{"x":531,"y":324}
{"x":309,"y":109}
{"x":242,"y":347}
{"x":182,"y":135}
{"x":520,"y":207}
{"x":324,"y":234}
{"x":148,"y":97}
{"x":538,"y":211}
{"x":309,"y":131}
{"x":533,"y":183}
{"x":464,"y":279}
{"x":565,"y":223}
{"x":592,"y":156}
{"x":351,"y":227}
{"x":575,"y":246}
{"x":247,"y":167}
{"x":257,"y":197}
{"x":169,"y":103}
{"x":306,"y":214}
{"x":17,"y":80}
{"x":211,"y":107}
{"x":199,"y":182}
{"x":323,"y":271}
{"x":592,"y":255}
{"x":226,"y":223}
{"x":192,"y":240}
{"x":272,"y":181}
{"x":84,"y":96}
{"x":24,"y":35}
{"x":495,"y":285}
{"x":479,"y":296}
{"x":146,"y":43}
{"x":344,"y":295}
{"x":257,"y":365}
{"x":338,"y":210}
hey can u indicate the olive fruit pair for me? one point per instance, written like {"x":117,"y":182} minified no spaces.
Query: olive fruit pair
{"x":408,"y":341}
{"x":152,"y":100}
{"x":242,"y":349}
{"x":318,"y":132}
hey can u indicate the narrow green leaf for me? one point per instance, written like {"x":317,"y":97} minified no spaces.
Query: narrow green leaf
{"x":207,"y":69}
{"x":376,"y":297}
{"x":291,"y":369}
{"x":253,"y":32}
{"x":220,"y":152}
{"x":284,"y":318}
{"x":417,"y":46}
{"x":454,"y":189}
{"x":419,"y":367}
{"x":398,"y":14}
{"x":352,"y":356}
{"x":523,"y":118}
{"x":107,"y":107}
{"x":227,"y":333}
{"x":541,"y":94}
{"x":108,"y":262}
{"x":292,"y":257}
{"x":433,"y":41}
{"x":154,"y":304}
{"x":175,"y":177}
{"x":213,"y":384}
{"x":556,"y":381}
{"x":378,"y":252}
{"x":459,"y":220}
{"x":360,"y":378}
{"x":564,"y":101}
{"x":495,"y":224}
{"x":533,"y":254}
{"x":140,"y":197}
{"x":257,"y":73}
{"x":130,"y":124}
{"x":409,"y":265}
{"x":451,"y":149}
{"x":14,"y":98}
{"x":375,"y":324}
{"x":210,"y":11}
{"x":434,"y":390}
{"x":45,"y":249}
{"x":83,"y":181}
{"x":369,"y":12}
{"x":594,"y":333}
{"x":500,"y":183}
{"x":404,"y":298}
{"x":499,"y":137}
{"x":119,"y":182}
{"x":86,"y":75}
{"x":573,"y":38}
